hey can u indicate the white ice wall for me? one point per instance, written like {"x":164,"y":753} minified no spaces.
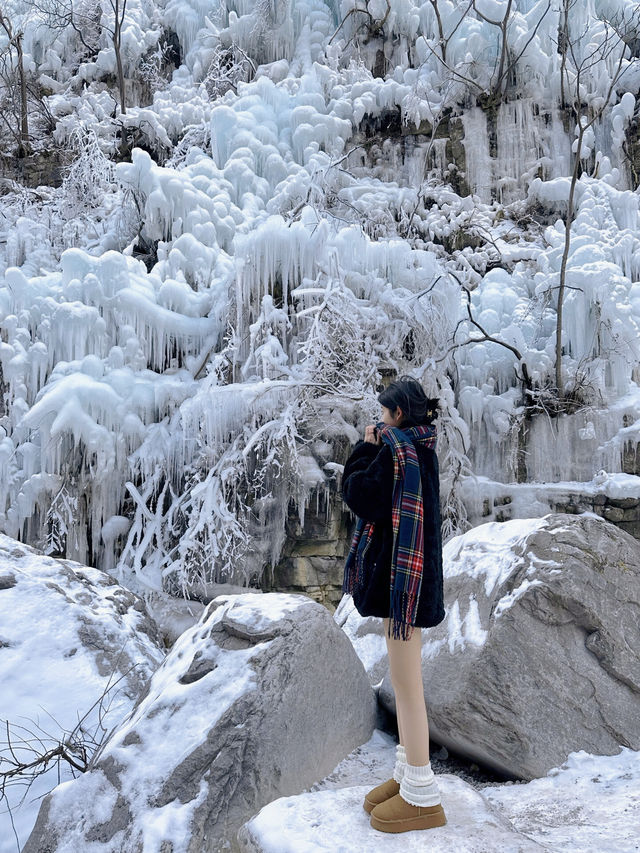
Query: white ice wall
{"x":297,"y":267}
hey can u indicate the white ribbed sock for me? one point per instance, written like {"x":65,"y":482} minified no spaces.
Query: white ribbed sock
{"x":401,"y":762}
{"x":418,"y":785}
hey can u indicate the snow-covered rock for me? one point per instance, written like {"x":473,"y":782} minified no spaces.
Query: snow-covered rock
{"x":171,"y":614}
{"x":538,"y":654}
{"x":588,"y":804}
{"x":258,"y":700}
{"x":336,"y":821}
{"x":68,"y":634}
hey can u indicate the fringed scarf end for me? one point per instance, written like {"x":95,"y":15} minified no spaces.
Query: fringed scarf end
{"x":402,"y":614}
{"x":354,"y":566}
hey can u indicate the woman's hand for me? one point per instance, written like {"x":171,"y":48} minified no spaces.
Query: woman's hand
{"x":370,"y":435}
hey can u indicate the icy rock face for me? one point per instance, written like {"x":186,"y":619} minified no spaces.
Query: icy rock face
{"x":68,"y":633}
{"x":614,"y":497}
{"x":537,"y":656}
{"x":322,"y":820}
{"x":315,"y":208}
{"x":259,"y":699}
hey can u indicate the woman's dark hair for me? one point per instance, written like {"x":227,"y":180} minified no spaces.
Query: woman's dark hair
{"x":409,"y":394}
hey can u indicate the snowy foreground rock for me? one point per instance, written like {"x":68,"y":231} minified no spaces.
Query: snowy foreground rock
{"x":587,"y":805}
{"x":263,"y":697}
{"x":336,"y":822}
{"x":539,"y":654}
{"x":68,"y":634}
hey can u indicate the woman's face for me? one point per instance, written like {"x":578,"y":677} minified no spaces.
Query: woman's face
{"x":392,"y":418}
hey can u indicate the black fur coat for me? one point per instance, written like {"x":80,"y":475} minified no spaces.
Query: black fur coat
{"x":367,"y":489}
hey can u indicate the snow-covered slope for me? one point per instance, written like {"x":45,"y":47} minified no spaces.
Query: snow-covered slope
{"x":76,"y":651}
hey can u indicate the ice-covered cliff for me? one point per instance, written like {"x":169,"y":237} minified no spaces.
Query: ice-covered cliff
{"x":310,"y":197}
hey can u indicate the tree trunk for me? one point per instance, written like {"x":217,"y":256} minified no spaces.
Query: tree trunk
{"x":563,"y":265}
{"x":116,"y":45}
{"x":24,"y":118}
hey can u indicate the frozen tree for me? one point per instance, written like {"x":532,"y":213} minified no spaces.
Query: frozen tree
{"x":369,"y":16}
{"x":229,"y":65}
{"x":89,"y":19}
{"x":118,"y":8}
{"x":208,"y":523}
{"x":586,"y":55}
{"x":60,"y":521}
{"x":14,"y":92}
{"x":498,"y":39}
{"x":88,"y":177}
{"x":155,"y":66}
{"x":508,"y":55}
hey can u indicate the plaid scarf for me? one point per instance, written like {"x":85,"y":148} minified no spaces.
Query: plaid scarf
{"x":407,"y":519}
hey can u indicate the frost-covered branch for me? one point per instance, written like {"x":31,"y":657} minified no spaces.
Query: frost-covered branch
{"x":507,"y":57}
{"x":227,"y":67}
{"x":507,"y":63}
{"x":83,"y":17}
{"x":221,"y":515}
{"x":443,"y":40}
{"x":29,"y":752}
{"x":525,"y":378}
{"x":375,"y":24}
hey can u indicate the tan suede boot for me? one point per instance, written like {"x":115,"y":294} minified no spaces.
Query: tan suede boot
{"x":381,"y":793}
{"x":397,"y":815}
{"x":416,"y":806}
{"x":389,"y":788}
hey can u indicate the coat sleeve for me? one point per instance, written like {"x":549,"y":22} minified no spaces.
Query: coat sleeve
{"x":367,"y":481}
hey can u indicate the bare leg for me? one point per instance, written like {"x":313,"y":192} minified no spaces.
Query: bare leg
{"x":399,"y":708}
{"x":406,"y":678}
{"x":401,"y":739}
{"x":400,"y":729}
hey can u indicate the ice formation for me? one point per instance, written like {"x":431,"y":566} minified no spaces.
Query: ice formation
{"x":311,"y":228}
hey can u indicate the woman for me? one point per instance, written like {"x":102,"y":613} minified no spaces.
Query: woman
{"x":394,"y":570}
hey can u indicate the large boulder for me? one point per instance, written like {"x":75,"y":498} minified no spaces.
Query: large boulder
{"x":264,"y":696}
{"x":73,"y":645}
{"x":539,"y":654}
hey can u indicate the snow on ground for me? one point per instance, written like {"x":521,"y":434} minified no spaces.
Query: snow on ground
{"x":588,"y":805}
{"x":336,"y":822}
